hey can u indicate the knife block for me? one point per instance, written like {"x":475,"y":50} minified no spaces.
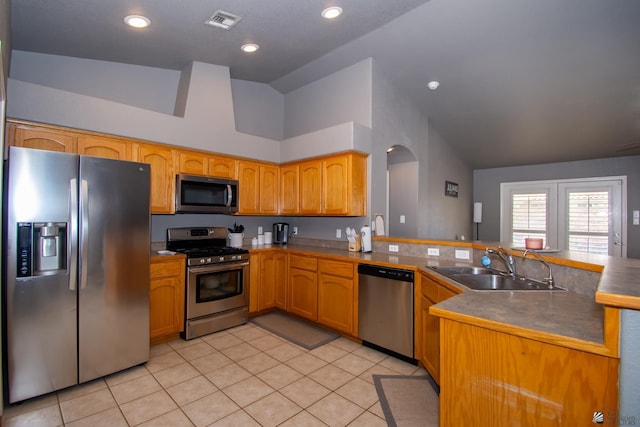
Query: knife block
{"x":356,"y":246}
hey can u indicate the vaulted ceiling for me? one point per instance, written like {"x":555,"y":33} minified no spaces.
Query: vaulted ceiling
{"x":521,"y":82}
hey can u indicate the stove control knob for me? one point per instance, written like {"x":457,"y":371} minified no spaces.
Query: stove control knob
{"x":208,"y":260}
{"x":221,"y":259}
{"x":201,"y":260}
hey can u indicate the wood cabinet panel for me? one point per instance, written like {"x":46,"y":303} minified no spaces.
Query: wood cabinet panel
{"x":510,"y":380}
{"x":310,"y":187}
{"x":336,"y":295}
{"x":163,"y":180}
{"x":303,"y":286}
{"x":268,"y":281}
{"x":269,"y":188}
{"x":222,"y":167}
{"x":41,"y":139}
{"x":166,"y":298}
{"x":249,"y":187}
{"x":192,"y":163}
{"x":254,"y":283}
{"x":335,"y":186}
{"x":429,"y":325}
{"x":107,"y":148}
{"x":289,"y":190}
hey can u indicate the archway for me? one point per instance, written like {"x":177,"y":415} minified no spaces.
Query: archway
{"x":402,"y":192}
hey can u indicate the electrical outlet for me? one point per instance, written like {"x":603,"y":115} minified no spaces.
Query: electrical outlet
{"x":338,"y":233}
{"x":295,"y":231}
{"x":393,"y":248}
{"x":403,"y":219}
{"x":462,"y":254}
{"x":433,"y":251}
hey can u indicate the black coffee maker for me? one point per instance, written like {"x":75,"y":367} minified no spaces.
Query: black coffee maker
{"x":280,"y":233}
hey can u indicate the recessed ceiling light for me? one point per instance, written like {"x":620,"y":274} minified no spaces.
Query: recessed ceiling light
{"x":249,"y":47}
{"x":332,"y":12}
{"x":433,"y":85}
{"x":137,"y":21}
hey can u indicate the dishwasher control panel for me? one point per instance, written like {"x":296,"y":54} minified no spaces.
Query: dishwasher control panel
{"x":386,"y":272}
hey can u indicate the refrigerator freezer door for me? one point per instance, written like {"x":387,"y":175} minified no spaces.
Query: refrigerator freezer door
{"x":114,"y":234}
{"x":41,"y":309}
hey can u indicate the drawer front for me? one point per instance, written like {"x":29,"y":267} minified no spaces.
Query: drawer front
{"x":164,"y":269}
{"x":337,"y":268}
{"x":303,"y":262}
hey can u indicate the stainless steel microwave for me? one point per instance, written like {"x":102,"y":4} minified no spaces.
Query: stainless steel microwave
{"x":203,"y":194}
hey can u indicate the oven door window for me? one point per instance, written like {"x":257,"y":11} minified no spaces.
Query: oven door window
{"x":218,"y":285}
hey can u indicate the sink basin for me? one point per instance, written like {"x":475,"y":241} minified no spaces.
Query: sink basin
{"x":447,"y":271}
{"x":484,"y":279}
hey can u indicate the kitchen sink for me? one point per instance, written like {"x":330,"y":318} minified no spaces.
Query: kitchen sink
{"x":485,"y":279}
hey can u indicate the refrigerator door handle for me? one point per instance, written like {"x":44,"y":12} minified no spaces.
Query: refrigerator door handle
{"x":84,"y":232}
{"x":73,"y":231}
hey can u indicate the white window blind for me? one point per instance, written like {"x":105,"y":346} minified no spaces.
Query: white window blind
{"x":529,"y":217}
{"x":588,"y":221}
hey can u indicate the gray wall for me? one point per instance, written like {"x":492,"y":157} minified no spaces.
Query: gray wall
{"x":486,"y":189}
{"x":258,"y":109}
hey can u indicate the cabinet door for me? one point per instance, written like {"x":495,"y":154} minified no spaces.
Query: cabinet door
{"x":116,"y":149}
{"x":269,"y":187}
{"x":163,"y":179}
{"x":336,"y":295}
{"x":222,"y":167}
{"x":268,"y":277}
{"x":254,"y":282}
{"x":281,"y":280}
{"x":166,"y":298}
{"x":249,"y":183}
{"x":192,"y":163}
{"x":335,"y":185}
{"x":310,"y":184}
{"x":430,"y":328}
{"x":303,"y":293}
{"x":43,"y":139}
{"x":289,"y":190}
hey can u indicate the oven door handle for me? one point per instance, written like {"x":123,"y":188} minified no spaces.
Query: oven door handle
{"x":214,"y":268}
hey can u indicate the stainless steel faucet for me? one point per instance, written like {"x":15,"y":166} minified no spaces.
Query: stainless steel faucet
{"x":548,"y":280}
{"x":504,"y":256}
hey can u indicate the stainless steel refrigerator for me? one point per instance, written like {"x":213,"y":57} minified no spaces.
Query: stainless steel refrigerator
{"x":77,"y":269}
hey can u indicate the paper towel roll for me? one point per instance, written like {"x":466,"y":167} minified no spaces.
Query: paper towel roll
{"x":366,"y":238}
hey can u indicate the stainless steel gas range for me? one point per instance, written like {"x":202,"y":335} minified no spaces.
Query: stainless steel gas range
{"x":216,"y":281}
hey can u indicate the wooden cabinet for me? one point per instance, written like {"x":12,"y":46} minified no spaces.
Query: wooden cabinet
{"x":108,"y":148}
{"x":498,"y":379}
{"x":222,"y":167}
{"x":268,"y":281}
{"x":429,"y":342}
{"x":163,"y":179}
{"x":336,"y":295}
{"x":200,"y":163}
{"x":258,"y":188}
{"x":289,"y":189}
{"x":303,"y":286}
{"x":166,"y":298}
{"x":334,"y":185}
{"x":310,"y":187}
{"x":51,"y":139}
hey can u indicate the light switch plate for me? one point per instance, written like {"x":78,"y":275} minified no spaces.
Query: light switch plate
{"x":393,"y":248}
{"x":433,"y":251}
{"x":636,"y":217}
{"x":338,"y":233}
{"x":403,"y":219}
{"x":462,"y":254}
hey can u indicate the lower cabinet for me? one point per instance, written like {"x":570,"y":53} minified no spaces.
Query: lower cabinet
{"x":431,"y":293}
{"x":166,"y":298}
{"x":303,"y":286}
{"x":268,"y":281}
{"x":336,"y":295}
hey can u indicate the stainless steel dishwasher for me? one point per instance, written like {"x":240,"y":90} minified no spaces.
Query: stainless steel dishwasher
{"x":385,"y":309}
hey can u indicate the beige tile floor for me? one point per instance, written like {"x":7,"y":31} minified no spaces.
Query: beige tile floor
{"x":244,"y":376}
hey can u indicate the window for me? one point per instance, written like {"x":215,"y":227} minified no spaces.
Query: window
{"x":582,"y":216}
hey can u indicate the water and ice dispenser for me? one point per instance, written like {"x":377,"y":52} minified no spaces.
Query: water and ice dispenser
{"x":42,"y":248}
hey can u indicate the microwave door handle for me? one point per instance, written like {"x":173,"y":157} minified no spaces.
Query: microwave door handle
{"x":229,"y":195}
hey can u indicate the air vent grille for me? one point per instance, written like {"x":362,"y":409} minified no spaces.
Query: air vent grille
{"x":222,"y":19}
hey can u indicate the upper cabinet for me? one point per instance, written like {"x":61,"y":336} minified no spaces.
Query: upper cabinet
{"x":163,"y":176}
{"x":41,"y":138}
{"x":332,"y":185}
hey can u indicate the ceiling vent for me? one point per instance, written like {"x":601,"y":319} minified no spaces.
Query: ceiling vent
{"x":222,"y":19}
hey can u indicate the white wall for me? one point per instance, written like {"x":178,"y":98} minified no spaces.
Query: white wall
{"x":258,"y":109}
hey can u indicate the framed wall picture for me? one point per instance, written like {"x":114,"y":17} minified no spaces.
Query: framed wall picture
{"x":450,"y":189}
